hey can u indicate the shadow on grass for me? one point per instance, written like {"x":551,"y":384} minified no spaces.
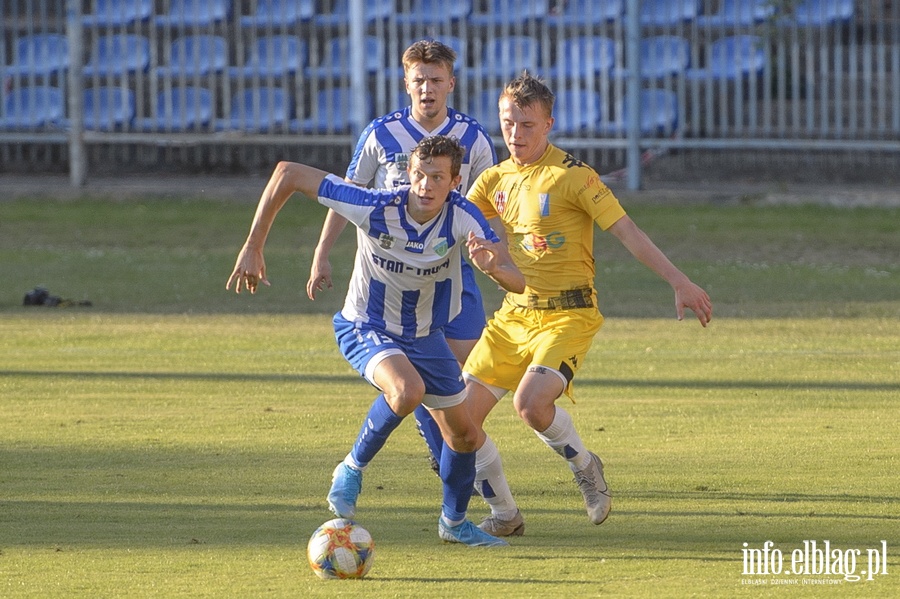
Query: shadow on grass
{"x":346,"y":378}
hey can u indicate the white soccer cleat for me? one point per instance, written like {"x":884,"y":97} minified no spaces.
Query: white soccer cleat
{"x":590,"y":481}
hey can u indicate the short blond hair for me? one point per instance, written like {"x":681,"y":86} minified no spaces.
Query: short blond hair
{"x":527,"y":90}
{"x":429,"y":52}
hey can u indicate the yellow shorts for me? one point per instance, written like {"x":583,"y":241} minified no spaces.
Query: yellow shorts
{"x":516,"y":338}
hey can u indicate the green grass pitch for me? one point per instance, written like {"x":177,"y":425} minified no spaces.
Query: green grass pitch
{"x":176,"y":441}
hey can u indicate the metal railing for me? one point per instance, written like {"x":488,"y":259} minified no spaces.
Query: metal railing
{"x":150,"y":81}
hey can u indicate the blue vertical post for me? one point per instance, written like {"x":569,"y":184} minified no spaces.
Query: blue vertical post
{"x":633,"y":94}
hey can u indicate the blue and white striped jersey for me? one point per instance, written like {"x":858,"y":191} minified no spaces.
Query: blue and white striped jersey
{"x":382,"y":152}
{"x":407,"y":277}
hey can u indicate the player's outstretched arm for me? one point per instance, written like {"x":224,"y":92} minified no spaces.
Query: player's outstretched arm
{"x":687,"y":294}
{"x":494,"y":260}
{"x":320,"y":269}
{"x":288,"y":177}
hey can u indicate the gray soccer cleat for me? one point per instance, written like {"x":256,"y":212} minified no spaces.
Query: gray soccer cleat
{"x":593,"y":486}
{"x":514,"y":527}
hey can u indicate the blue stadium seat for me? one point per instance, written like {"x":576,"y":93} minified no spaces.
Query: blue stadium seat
{"x":331,"y":113}
{"x":435,"y":12}
{"x":110,"y":13}
{"x":280,"y":13}
{"x":668,"y":13}
{"x":108,"y":108}
{"x":260,"y":110}
{"x":335,"y":61}
{"x":195,"y":56}
{"x":483,"y":109}
{"x":118,"y":55}
{"x":659,"y":115}
{"x":273,"y":56}
{"x":510,"y":12}
{"x":819,"y":13}
{"x":584,"y":58}
{"x":508,"y":56}
{"x":733,"y":57}
{"x":738,"y":13}
{"x":576,"y":111}
{"x":32,"y":107}
{"x":375,"y":10}
{"x":41,"y":54}
{"x":195,"y":13}
{"x":182,"y":109}
{"x":591,"y":12}
{"x":662,"y":56}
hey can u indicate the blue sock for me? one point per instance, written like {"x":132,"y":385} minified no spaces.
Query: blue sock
{"x":430,"y":431}
{"x":380,"y":422}
{"x":458,"y":475}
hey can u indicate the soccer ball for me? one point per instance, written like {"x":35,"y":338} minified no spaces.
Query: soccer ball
{"x":340,"y":548}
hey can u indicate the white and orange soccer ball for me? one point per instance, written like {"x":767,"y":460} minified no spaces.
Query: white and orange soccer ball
{"x":340,"y":548}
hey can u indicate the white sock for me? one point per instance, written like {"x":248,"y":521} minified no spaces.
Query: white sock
{"x":561,"y":437}
{"x":490,"y":480}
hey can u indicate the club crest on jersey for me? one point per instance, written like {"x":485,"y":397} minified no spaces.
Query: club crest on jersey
{"x":440,"y":246}
{"x":402,"y":161}
{"x":386,"y":241}
{"x":500,"y":202}
{"x":544,"y":203}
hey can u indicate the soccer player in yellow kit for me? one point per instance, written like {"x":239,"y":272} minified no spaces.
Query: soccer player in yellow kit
{"x":548,"y":203}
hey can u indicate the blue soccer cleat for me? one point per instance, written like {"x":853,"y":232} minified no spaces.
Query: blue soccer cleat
{"x":468,"y":534}
{"x":346,"y":485}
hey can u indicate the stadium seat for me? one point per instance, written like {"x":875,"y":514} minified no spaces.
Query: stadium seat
{"x":576,"y":111}
{"x":484,"y":109}
{"x":510,"y":12}
{"x":110,"y":13}
{"x":584,"y":58}
{"x":659,"y":115}
{"x":738,"y":13}
{"x":331,"y":113}
{"x":194,"y":13}
{"x":41,"y":54}
{"x":108,"y":108}
{"x":669,"y":13}
{"x":182,"y":109}
{"x":819,"y":13}
{"x":273,"y":56}
{"x":375,"y":10}
{"x":591,"y":12}
{"x":280,"y":13}
{"x":508,"y":56}
{"x":662,"y":56}
{"x":117,"y":55}
{"x":32,"y":107}
{"x":195,"y":56}
{"x":261,"y":110}
{"x":732,"y":57}
{"x":435,"y":12}
{"x":335,"y":61}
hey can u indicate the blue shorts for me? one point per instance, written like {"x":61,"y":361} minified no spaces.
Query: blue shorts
{"x":470,"y":321}
{"x":364,"y":347}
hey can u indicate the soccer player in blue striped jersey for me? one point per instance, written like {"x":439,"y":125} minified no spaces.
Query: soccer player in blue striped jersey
{"x":380,"y":161}
{"x":406,"y":285}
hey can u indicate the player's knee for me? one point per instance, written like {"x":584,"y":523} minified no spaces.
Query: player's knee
{"x":405,"y":396}
{"x":536,"y":414}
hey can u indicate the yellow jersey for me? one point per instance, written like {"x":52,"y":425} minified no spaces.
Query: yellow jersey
{"x":548,"y":210}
